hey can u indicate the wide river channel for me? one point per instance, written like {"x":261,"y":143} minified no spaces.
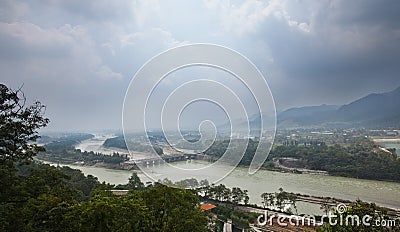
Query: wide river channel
{"x":381,"y":192}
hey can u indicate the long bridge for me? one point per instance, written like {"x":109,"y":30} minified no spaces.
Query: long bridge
{"x":149,"y":162}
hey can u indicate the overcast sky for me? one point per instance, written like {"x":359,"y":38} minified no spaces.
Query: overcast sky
{"x":78,"y":57}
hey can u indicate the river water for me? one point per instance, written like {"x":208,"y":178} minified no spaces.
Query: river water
{"x":95,"y":144}
{"x":381,"y":192}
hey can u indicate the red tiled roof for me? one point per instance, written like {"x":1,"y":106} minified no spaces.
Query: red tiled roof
{"x":205,"y":207}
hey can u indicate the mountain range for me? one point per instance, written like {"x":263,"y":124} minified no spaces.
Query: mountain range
{"x":376,"y":110}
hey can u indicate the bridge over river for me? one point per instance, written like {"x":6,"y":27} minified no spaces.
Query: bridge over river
{"x":148,"y":162}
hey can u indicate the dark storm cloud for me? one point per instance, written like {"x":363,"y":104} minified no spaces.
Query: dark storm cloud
{"x":344,"y":39}
{"x":350,"y":48}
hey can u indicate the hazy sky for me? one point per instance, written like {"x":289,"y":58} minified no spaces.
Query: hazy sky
{"x":78,"y":57}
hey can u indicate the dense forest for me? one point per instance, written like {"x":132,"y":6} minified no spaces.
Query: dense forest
{"x":219,"y":147}
{"x":39,"y":197}
{"x":361,"y":159}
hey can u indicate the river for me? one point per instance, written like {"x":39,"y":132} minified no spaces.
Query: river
{"x":381,"y":192}
{"x":95,"y":144}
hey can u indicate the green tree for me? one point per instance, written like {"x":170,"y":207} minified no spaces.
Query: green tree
{"x":18,"y":129}
{"x":204,"y":183}
{"x":18,"y":126}
{"x":268,"y":199}
{"x":135,"y":183}
{"x":280,"y":199}
{"x":110,"y":213}
{"x":246,"y":197}
{"x":174,"y":209}
{"x":236,"y":195}
{"x":191,"y":183}
{"x":43,"y":213}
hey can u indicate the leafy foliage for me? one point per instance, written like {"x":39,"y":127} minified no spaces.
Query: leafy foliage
{"x":220,"y":147}
{"x":281,"y":200}
{"x":18,"y":126}
{"x":359,"y":160}
{"x":222,"y":193}
{"x":174,"y":209}
{"x":105,"y":212}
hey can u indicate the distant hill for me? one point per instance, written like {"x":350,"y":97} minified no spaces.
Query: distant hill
{"x":375,"y":110}
{"x":254,"y":123}
{"x":305,"y":116}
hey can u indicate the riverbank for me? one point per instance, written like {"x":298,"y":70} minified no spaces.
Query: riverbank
{"x":386,"y":140}
{"x":277,"y":162}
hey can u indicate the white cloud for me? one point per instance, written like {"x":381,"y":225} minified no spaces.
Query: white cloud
{"x":106,"y":73}
{"x":33,"y":36}
{"x":248,"y":16}
{"x":146,"y":12}
{"x":154,"y":37}
{"x":11,"y":10}
{"x":66,"y":46}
